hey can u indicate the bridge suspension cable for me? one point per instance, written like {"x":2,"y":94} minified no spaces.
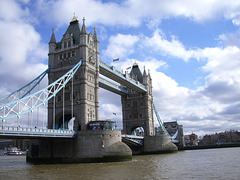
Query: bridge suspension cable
{"x":23,"y":91}
{"x":29,"y":103}
{"x":162,"y":125}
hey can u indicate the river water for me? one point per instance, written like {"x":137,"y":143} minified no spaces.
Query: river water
{"x":195,"y":164}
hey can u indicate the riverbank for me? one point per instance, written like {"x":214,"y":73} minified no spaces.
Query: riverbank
{"x":213,"y":146}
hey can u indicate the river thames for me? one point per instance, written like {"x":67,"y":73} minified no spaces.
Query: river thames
{"x":195,"y":164}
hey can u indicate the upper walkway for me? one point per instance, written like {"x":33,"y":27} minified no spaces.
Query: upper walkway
{"x":105,"y":84}
{"x":112,"y":73}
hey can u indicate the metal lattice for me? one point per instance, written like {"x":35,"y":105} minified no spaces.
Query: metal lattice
{"x":23,"y":91}
{"x":26,"y":104}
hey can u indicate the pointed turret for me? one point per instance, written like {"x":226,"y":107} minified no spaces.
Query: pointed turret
{"x":83,"y":30}
{"x":73,"y":30}
{"x":149,"y":74}
{"x":144,"y":76}
{"x":136,"y":73}
{"x":52,"y":43}
{"x":149,"y":82}
{"x":53,"y":39}
{"x":95,"y":35}
{"x":144,"y":72}
{"x":52,"y":47}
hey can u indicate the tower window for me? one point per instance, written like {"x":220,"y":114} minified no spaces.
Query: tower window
{"x":69,"y":43}
{"x":65,"y":44}
{"x":73,"y":53}
{"x":135,"y":115}
{"x":134,"y":103}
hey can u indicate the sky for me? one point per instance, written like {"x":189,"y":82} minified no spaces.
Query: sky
{"x":191,"y":49}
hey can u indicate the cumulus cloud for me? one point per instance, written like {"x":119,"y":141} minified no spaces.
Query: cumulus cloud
{"x":205,"y":107}
{"x":133,"y":13}
{"x":160,"y":44}
{"x":22,"y":54}
{"x":120,"y":46}
{"x":230,"y":39}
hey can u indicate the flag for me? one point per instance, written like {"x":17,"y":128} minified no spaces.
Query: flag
{"x":129,"y":68}
{"x":116,"y":59}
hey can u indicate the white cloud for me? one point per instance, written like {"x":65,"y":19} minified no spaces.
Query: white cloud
{"x":160,"y":44}
{"x":15,"y":14}
{"x":202,"y":108}
{"x":21,"y":52}
{"x":120,"y":46}
{"x":230,"y":39}
{"x":133,"y":13}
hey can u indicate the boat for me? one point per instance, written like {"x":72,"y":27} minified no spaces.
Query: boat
{"x":14,"y":151}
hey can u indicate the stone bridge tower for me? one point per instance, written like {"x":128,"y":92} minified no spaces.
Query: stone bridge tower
{"x":137,"y":108}
{"x":83,"y":103}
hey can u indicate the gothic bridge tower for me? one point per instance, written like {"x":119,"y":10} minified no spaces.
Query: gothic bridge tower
{"x":82,"y":101}
{"x":137,"y":108}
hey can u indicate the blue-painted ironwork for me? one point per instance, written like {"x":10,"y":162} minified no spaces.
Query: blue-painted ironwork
{"x":112,"y":73}
{"x":29,"y":103}
{"x":121,"y":90}
{"x":8,"y":132}
{"x":136,"y":140}
{"x":23,"y":91}
{"x":165,"y":132}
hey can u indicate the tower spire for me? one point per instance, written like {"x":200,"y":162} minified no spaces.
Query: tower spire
{"x":74,"y":18}
{"x":53,"y":39}
{"x":144,"y":72}
{"x":95,"y":34}
{"x":83,"y":30}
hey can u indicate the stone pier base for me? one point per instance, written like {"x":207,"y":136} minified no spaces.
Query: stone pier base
{"x":88,"y":146}
{"x":158,"y":144}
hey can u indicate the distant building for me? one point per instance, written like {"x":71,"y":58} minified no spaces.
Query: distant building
{"x":231,"y":136}
{"x":191,"y":140}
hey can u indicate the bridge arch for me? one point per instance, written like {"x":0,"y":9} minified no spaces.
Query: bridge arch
{"x":137,"y":131}
{"x":67,"y":117}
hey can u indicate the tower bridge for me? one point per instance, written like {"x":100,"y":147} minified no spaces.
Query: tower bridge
{"x":72,"y":94}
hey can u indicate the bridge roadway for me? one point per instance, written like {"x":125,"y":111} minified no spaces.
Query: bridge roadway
{"x":112,"y":73}
{"x":36,"y":133}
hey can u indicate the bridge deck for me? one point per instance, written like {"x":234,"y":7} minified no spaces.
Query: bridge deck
{"x":33,"y":133}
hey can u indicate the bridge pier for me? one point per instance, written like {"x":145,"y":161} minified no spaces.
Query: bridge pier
{"x":158,"y":145}
{"x":88,"y":146}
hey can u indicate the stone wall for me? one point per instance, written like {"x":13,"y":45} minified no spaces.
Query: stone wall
{"x":88,"y":146}
{"x":158,"y":144}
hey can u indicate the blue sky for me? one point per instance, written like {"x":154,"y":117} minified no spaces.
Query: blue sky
{"x":191,"y":49}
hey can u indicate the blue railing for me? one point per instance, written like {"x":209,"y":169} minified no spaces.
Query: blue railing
{"x":112,"y":70}
{"x":10,"y":131}
{"x":113,"y":86}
